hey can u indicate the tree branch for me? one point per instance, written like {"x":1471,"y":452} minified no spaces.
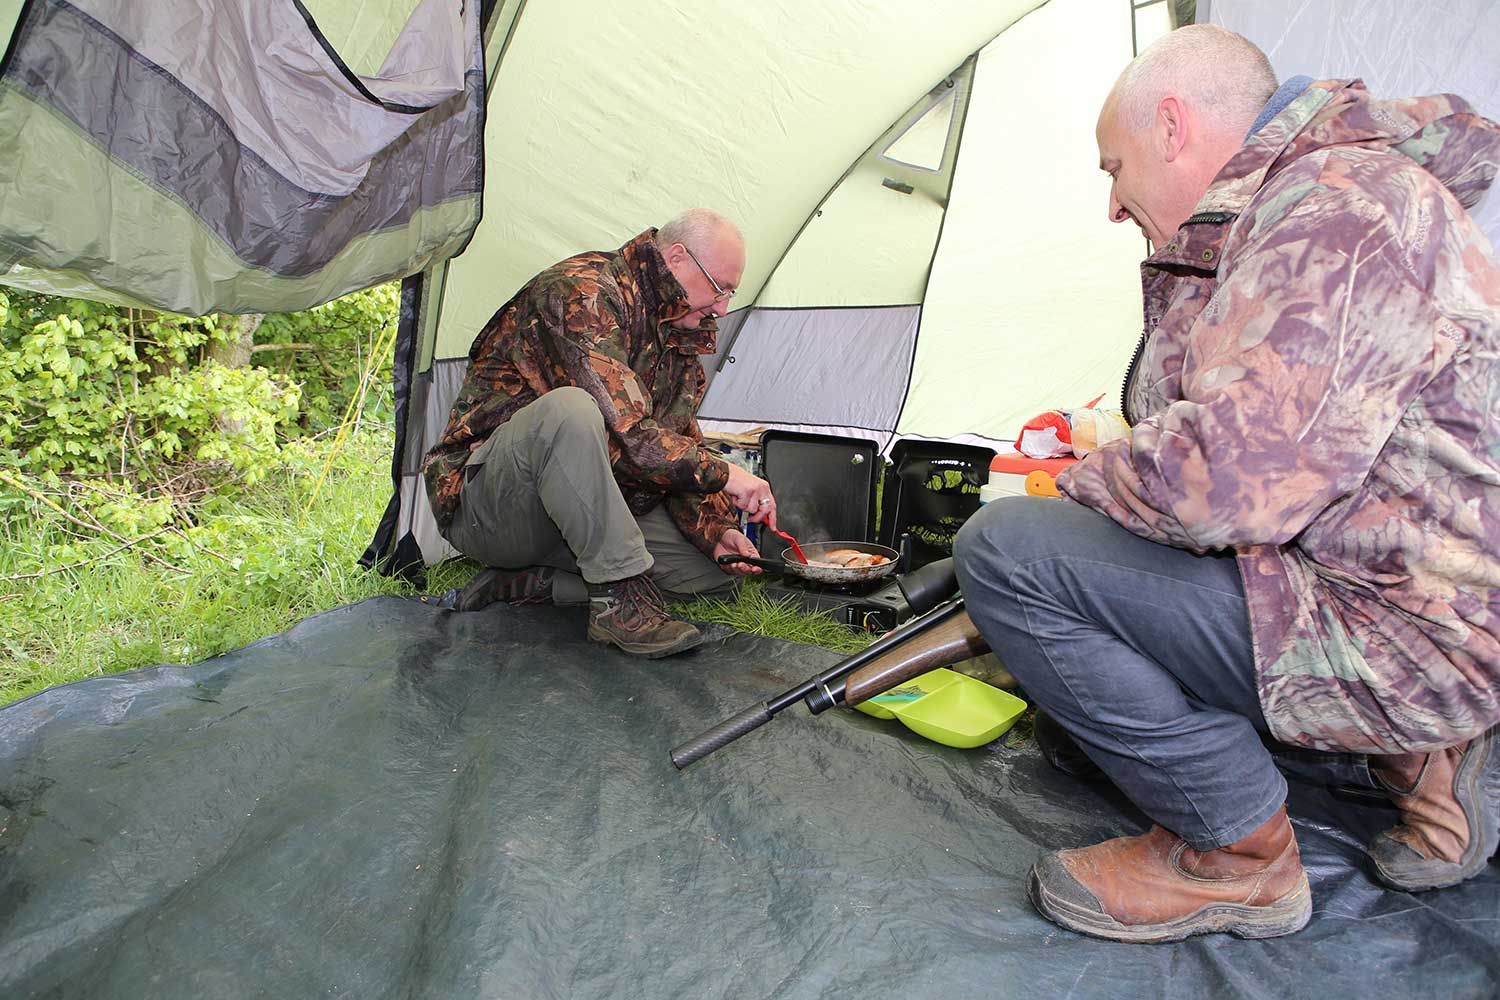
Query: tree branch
{"x":95,"y":527}
{"x":86,"y":562}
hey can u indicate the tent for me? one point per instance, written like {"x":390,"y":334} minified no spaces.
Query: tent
{"x":917,"y":184}
{"x":394,"y":799}
{"x":879,"y":163}
{"x":908,"y":180}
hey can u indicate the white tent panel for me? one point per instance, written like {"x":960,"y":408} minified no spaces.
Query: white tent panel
{"x":868,"y":245}
{"x":1152,"y":20}
{"x":1034,"y":300}
{"x":10,"y":13}
{"x":922,"y":144}
{"x":363,"y":34}
{"x":1399,"y":48}
{"x":753,"y":109}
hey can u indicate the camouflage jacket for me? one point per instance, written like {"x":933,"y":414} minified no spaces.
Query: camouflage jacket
{"x":599,"y":321}
{"x":1318,"y":392}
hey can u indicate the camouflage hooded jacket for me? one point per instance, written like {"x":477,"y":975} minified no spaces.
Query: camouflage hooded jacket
{"x":1319,"y":392}
{"x":599,"y":321}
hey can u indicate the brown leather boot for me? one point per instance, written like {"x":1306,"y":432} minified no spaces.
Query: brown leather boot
{"x":526,"y":586}
{"x":631,"y":614}
{"x":1156,"y":888}
{"x":1450,"y":814}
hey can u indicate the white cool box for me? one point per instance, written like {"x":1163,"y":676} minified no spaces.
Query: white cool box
{"x":1013,"y":474}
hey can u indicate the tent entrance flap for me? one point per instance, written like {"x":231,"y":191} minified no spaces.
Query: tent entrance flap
{"x":155,"y":154}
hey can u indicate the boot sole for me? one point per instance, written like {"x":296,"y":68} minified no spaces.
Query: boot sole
{"x":1478,"y":783}
{"x":1286,"y":915}
{"x":648,"y":650}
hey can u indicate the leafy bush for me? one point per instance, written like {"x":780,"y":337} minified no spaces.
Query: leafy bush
{"x":88,"y":389}
{"x":331,"y":346}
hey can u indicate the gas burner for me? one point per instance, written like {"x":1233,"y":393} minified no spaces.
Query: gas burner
{"x":858,"y":589}
{"x":877,"y":606}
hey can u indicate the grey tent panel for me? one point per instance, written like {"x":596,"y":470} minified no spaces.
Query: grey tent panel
{"x":729,"y":331}
{"x":393,"y":800}
{"x":845,"y":367}
{"x":432,"y":395}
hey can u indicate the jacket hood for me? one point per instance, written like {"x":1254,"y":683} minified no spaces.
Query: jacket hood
{"x":1443,"y":134}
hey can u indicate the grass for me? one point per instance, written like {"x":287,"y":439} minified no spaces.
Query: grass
{"x":262,"y":563}
{"x":262,"y":559}
{"x":752,"y":611}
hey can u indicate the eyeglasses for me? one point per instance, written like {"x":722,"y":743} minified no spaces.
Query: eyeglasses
{"x":720,"y":294}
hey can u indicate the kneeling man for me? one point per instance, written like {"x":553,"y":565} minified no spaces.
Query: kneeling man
{"x":1300,"y":539}
{"x":573,"y":447}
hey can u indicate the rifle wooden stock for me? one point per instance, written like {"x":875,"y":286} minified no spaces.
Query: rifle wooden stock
{"x":953,"y":641}
{"x":942,"y":635}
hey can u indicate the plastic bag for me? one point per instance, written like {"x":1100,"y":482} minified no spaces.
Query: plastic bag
{"x":1061,"y":433}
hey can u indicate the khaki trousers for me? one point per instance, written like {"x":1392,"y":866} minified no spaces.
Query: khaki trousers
{"x":540,"y":492}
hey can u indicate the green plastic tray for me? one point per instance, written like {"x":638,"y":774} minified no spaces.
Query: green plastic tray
{"x":948,"y":707}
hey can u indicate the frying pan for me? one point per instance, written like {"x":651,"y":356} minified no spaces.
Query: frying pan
{"x":788,"y":565}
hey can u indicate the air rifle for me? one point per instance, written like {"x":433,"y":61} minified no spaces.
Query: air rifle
{"x":942,"y":636}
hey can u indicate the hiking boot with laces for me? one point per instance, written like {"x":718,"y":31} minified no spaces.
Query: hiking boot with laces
{"x":1450,"y":814}
{"x":631,"y":614}
{"x":527,"y":586}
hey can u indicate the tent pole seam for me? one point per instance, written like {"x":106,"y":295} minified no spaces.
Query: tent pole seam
{"x":937,"y":243}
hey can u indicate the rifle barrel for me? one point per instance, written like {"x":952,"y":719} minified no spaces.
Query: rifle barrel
{"x":821,"y":692}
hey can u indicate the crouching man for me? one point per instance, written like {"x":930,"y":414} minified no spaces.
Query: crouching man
{"x":1301,"y":535}
{"x":573,"y":448}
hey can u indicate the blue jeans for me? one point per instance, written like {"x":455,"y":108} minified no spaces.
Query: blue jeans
{"x":1140,"y":651}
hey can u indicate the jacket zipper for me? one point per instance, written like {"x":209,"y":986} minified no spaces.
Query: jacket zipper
{"x":1135,"y":359}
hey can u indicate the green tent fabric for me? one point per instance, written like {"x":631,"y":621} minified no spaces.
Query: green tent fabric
{"x":395,"y":800}
{"x":205,"y":155}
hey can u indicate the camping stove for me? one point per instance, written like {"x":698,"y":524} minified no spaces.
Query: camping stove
{"x":874,"y":606}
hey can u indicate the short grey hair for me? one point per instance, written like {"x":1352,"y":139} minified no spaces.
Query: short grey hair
{"x":1214,"y":70}
{"x":694,"y":229}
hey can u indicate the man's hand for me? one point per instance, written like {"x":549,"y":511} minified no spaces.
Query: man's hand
{"x":751,"y":494}
{"x":734,"y":542}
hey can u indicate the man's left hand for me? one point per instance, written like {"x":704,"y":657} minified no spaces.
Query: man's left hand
{"x":734,"y":542}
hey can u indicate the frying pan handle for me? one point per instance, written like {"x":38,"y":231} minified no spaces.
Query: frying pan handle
{"x":729,"y":559}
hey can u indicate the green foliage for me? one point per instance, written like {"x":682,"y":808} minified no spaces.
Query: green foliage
{"x":342,"y":334}
{"x":753,"y":611}
{"x":153,"y":500}
{"x":87,"y":389}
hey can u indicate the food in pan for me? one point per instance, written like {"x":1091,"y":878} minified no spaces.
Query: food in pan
{"x":848,"y":559}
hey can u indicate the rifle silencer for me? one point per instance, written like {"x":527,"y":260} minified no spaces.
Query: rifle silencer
{"x":726,"y":732}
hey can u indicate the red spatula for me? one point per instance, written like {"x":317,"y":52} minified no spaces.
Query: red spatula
{"x":796,"y":549}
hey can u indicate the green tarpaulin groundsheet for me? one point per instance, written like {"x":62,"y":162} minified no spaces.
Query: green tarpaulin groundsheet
{"x":397,"y":800}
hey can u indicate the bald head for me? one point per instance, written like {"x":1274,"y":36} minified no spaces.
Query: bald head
{"x":1218,"y":74}
{"x":697,"y":228}
{"x":1175,"y":117}
{"x":706,"y":254}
